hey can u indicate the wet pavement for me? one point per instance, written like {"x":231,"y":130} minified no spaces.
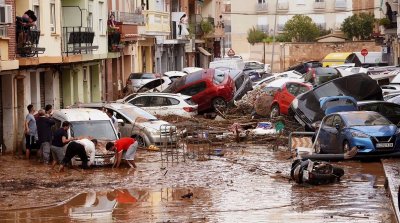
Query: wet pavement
{"x":248,"y":184}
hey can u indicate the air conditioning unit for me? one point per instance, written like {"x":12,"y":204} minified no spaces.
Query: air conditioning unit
{"x":116,"y":15}
{"x":6,"y":14}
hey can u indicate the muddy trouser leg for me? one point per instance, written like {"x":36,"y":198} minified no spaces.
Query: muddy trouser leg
{"x":45,"y":147}
{"x":81,"y":152}
{"x":72,"y":150}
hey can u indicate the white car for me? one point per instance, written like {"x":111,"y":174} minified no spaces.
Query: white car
{"x":137,"y":123}
{"x":391,"y":88}
{"x":257,"y":66}
{"x":173,"y":75}
{"x":288,"y":74}
{"x":164,"y":104}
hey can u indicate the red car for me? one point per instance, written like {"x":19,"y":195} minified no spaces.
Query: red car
{"x":209,"y":88}
{"x":286,"y":91}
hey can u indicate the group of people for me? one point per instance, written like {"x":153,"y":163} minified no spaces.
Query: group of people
{"x":40,"y":135}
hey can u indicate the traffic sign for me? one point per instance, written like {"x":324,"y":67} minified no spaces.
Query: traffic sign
{"x":364,"y":52}
{"x":231,"y":53}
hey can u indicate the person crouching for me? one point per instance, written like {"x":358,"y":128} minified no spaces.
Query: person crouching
{"x":81,"y":148}
{"x":124,"y":145}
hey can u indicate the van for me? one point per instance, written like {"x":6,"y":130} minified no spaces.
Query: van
{"x":89,"y":123}
{"x":233,"y":63}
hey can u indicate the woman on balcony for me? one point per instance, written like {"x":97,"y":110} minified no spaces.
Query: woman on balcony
{"x":114,"y":35}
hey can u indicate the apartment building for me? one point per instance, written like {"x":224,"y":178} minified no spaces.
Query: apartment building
{"x":59,"y":61}
{"x":271,"y":15}
{"x":388,"y":36}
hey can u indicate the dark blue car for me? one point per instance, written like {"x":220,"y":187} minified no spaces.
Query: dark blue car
{"x":369,"y":131}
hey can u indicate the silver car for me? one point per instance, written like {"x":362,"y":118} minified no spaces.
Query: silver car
{"x":137,"y":123}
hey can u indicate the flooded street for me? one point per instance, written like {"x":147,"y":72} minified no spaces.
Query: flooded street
{"x":248,"y":184}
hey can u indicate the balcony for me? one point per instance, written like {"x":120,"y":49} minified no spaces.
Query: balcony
{"x":78,"y":40}
{"x":340,"y":4}
{"x":27,"y":42}
{"x":262,"y":7}
{"x":319,"y":6}
{"x":282,"y":6}
{"x":157,"y":23}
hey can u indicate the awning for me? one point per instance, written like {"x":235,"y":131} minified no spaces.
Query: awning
{"x":203,"y":51}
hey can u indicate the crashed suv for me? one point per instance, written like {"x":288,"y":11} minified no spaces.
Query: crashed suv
{"x":306,"y":107}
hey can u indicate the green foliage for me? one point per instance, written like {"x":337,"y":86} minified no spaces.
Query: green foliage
{"x":282,"y":38}
{"x":384,"y":22}
{"x":301,"y":28}
{"x":324,"y":32}
{"x":206,"y":26}
{"x":358,"y":26}
{"x":255,"y":36}
{"x":192,"y":30}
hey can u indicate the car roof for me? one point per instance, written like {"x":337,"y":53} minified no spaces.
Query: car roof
{"x":373,"y":102}
{"x":164,"y":94}
{"x":281,"y":81}
{"x":80,"y":114}
{"x":175,"y":73}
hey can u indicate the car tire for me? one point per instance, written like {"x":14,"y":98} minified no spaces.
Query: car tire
{"x":346,"y":146}
{"x":140,"y":140}
{"x":219,"y":103}
{"x":275,"y":111}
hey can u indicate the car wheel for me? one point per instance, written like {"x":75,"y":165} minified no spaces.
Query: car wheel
{"x":274,"y":111}
{"x":219,"y":103}
{"x":140,"y":140}
{"x":346,"y":146}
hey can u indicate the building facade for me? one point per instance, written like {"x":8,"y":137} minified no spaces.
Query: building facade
{"x":270,"y":16}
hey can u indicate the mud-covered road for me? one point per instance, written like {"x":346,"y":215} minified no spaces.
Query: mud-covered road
{"x":248,"y":184}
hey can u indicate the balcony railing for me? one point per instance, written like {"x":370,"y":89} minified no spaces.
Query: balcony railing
{"x":27,"y":42}
{"x":131,"y":18}
{"x":340,"y":4}
{"x":282,"y":6}
{"x":319,"y":5}
{"x":78,"y":40}
{"x":129,"y":32}
{"x":157,"y":22}
{"x":261,"y":7}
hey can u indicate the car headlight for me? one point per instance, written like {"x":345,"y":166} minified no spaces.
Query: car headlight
{"x":154,"y":131}
{"x":359,"y":135}
{"x":295,"y":103}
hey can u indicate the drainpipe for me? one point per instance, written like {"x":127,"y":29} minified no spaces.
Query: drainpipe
{"x":273,"y":38}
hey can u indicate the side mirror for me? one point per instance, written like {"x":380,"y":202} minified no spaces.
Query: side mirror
{"x":337,"y":126}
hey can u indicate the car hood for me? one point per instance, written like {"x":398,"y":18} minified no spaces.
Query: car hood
{"x":376,"y":130}
{"x":359,"y":86}
{"x":155,"y":125}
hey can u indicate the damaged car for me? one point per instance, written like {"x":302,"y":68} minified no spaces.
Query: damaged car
{"x":306,"y":107}
{"x":369,"y":131}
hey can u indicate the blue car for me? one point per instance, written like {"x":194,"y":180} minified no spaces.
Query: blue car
{"x":369,"y":131}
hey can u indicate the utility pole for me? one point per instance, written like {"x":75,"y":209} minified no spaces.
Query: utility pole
{"x":273,"y":38}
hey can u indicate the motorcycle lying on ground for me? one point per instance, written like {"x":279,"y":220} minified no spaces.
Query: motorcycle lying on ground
{"x":315,"y":173}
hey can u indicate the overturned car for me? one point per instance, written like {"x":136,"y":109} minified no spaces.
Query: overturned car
{"x":306,"y":107}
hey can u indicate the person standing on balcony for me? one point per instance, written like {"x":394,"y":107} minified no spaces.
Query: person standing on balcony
{"x":114,"y":35}
{"x":182,"y":25}
{"x":389,"y":11}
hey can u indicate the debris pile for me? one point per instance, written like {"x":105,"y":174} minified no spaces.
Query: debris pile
{"x":258,"y":100}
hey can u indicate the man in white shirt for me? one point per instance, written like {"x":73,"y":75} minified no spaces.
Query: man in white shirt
{"x":83,"y":148}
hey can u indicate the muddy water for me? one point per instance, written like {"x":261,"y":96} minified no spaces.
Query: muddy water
{"x":246,"y":185}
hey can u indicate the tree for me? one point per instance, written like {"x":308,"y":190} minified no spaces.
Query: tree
{"x":301,"y":28}
{"x":255,"y":35}
{"x":358,"y":26}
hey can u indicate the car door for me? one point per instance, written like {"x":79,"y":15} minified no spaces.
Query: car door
{"x":391,"y":112}
{"x":286,"y":97}
{"x":324,"y":133}
{"x":141,"y":101}
{"x":125,"y":128}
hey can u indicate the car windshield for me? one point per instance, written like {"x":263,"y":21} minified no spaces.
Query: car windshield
{"x":101,"y":130}
{"x":137,"y":114}
{"x":365,"y":119}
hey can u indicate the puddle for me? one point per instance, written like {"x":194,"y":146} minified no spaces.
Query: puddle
{"x":246,"y":185}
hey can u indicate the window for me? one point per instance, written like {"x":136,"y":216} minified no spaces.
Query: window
{"x":390,"y":109}
{"x":239,"y":82}
{"x":101,"y":26}
{"x":52,"y":17}
{"x":302,"y":89}
{"x":329,"y":121}
{"x":292,"y":88}
{"x":36,"y":9}
{"x":262,"y":1}
{"x":159,"y":101}
{"x":173,"y":101}
{"x":140,"y":101}
{"x":194,"y":89}
{"x":219,"y":76}
{"x":300,"y":2}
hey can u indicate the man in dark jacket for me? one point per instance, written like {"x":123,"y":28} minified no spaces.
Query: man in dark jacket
{"x":44,"y":125}
{"x":389,"y":11}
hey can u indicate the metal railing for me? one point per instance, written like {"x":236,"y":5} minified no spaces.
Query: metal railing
{"x":78,"y":40}
{"x":27,"y":42}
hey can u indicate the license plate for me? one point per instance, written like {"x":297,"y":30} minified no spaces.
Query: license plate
{"x":384,"y":145}
{"x":300,"y":121}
